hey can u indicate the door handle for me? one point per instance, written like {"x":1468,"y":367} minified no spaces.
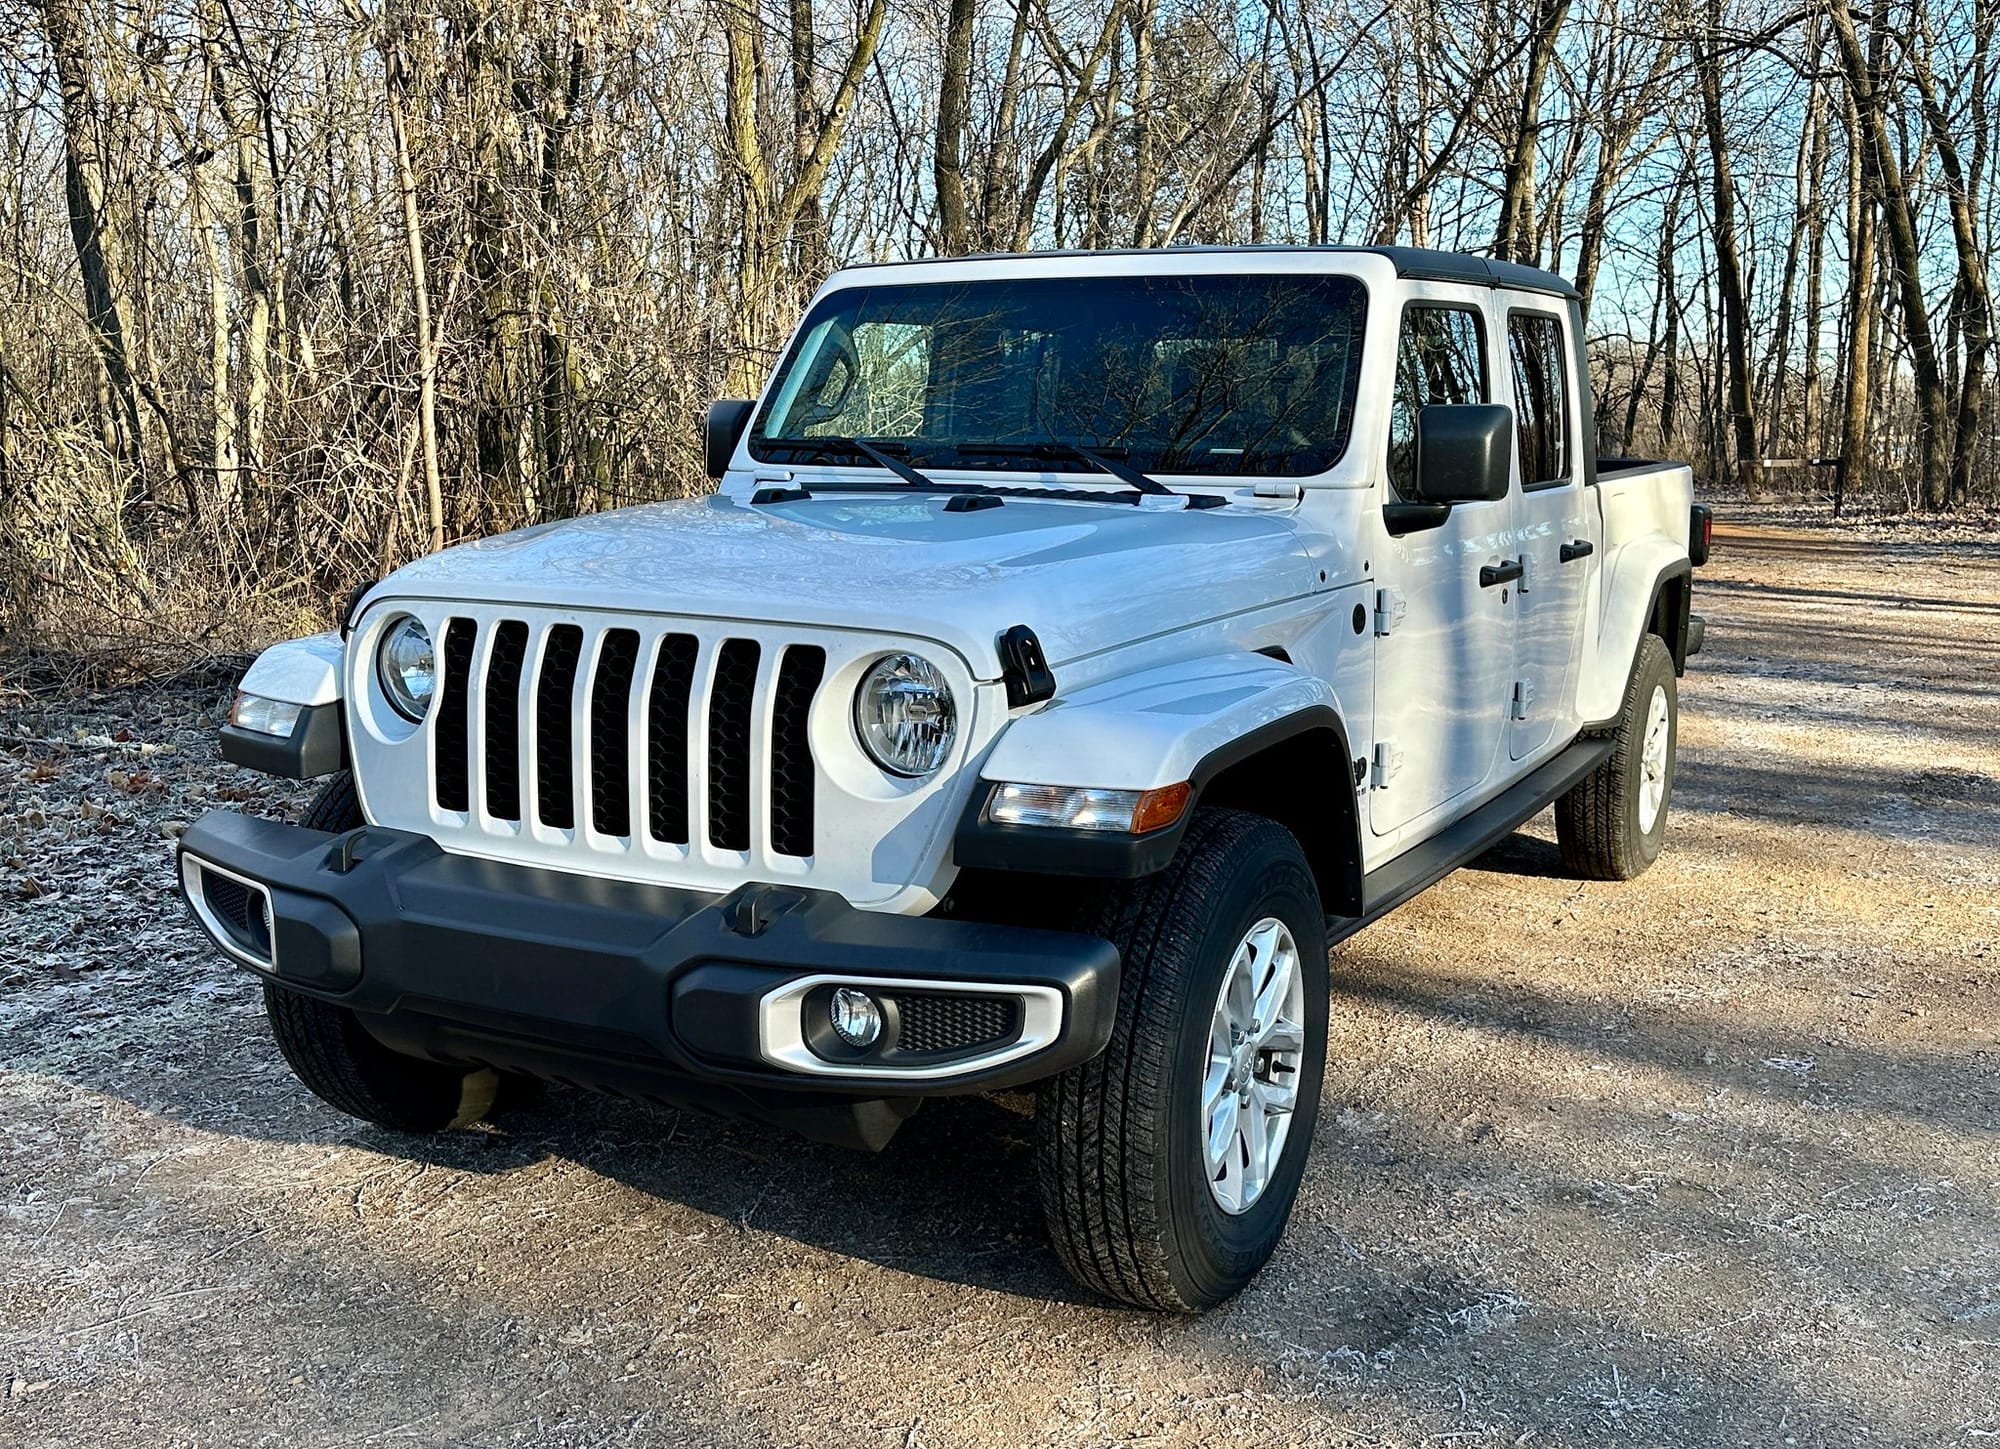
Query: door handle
{"x":1502,"y":573}
{"x":1580,"y":548}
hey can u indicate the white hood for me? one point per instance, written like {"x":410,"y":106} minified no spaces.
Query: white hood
{"x":1084,"y":576}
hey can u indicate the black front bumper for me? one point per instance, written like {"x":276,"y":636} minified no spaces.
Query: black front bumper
{"x":639,"y":989}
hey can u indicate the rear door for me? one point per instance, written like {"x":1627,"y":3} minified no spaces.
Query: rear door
{"x":1444,"y":655}
{"x":1556,"y":522}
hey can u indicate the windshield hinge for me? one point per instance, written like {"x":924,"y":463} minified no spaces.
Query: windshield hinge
{"x":1024,"y":668}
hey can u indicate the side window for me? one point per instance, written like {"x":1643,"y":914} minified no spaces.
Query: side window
{"x":1440,"y":359}
{"x":1540,"y":364}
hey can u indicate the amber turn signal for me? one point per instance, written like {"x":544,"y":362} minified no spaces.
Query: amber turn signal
{"x":1161,"y":807}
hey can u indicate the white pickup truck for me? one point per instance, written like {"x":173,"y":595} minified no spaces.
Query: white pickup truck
{"x":1074,"y":648}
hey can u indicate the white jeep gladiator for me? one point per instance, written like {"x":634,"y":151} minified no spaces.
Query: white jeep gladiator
{"x":1074,"y":648}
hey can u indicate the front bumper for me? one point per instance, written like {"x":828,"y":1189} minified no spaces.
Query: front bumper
{"x":639,"y":989}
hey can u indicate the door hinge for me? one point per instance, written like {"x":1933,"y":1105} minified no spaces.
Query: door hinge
{"x":1388,"y":763}
{"x":1524,"y":698}
{"x":1390,"y":607}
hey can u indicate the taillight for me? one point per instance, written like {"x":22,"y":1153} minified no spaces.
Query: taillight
{"x":1701,"y":532}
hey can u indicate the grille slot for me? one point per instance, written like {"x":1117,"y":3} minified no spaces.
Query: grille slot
{"x":729,"y":711}
{"x":610,"y":733}
{"x":555,"y":693}
{"x":451,"y":758}
{"x":503,"y":720}
{"x":667,"y":740}
{"x":799,"y":674}
{"x":954,"y":1021}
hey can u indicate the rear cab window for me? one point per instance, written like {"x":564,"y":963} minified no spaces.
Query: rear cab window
{"x":1538,"y":356}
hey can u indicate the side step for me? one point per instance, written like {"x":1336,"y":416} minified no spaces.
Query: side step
{"x":1389,"y":885}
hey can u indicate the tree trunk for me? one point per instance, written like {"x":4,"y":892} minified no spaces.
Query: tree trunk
{"x":1514,"y":237}
{"x":1936,"y":446}
{"x":948,"y":146}
{"x":396,"y":66}
{"x":1860,"y":305}
{"x":1734,"y":304}
{"x":99,"y":256}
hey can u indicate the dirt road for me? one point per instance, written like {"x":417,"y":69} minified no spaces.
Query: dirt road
{"x":1713,"y":1158}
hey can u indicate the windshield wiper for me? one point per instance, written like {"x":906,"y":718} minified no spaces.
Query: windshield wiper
{"x":1103,"y":462}
{"x":876,"y":455}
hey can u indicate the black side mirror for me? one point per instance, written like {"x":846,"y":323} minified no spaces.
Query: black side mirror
{"x":721,"y":430}
{"x":1465,"y":452}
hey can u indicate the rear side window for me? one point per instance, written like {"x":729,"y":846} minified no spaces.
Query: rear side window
{"x":1540,"y":363}
{"x":1440,"y":359}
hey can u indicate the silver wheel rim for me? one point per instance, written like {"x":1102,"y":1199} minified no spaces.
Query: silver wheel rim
{"x":1653,"y":761}
{"x":1256,"y":1042}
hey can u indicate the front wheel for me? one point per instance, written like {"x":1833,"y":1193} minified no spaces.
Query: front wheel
{"x":1168,"y":1164}
{"x":332,"y":1053}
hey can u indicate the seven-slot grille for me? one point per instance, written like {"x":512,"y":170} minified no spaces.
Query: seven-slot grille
{"x":554,"y":679}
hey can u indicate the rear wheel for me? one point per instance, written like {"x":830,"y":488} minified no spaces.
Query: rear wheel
{"x":333,"y":1054}
{"x":1612,"y":822}
{"x":1168,"y":1164}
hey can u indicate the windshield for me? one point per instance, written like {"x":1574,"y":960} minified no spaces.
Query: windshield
{"x":1178,"y":374}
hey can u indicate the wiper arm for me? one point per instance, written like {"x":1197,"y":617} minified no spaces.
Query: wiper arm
{"x":868,"y":450}
{"x":1103,"y":462}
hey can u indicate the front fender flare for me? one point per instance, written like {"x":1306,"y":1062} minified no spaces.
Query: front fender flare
{"x":1190,"y":721}
{"x":305,"y":672}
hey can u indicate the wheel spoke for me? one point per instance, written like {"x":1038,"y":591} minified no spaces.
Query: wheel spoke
{"x":1283,"y":1035}
{"x":1214,"y":1088}
{"x":1256,"y":1149}
{"x":1275,"y":993}
{"x":1276,"y":1098}
{"x":1225,"y":1166}
{"x":1225,"y":1121}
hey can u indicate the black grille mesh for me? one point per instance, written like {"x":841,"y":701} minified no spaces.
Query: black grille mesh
{"x":951,"y":1021}
{"x":732,"y":756}
{"x":610,"y":732}
{"x":555,"y":794}
{"x":452,"y":756}
{"x":667,"y":740}
{"x":503,"y":720}
{"x":240,"y":909}
{"x":799,"y":675}
{"x":729,"y":708}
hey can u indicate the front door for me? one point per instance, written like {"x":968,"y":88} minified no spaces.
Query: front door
{"x":1557,"y":524}
{"x":1444,"y":655}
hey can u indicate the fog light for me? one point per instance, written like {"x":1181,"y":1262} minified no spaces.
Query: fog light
{"x":857,"y":1020}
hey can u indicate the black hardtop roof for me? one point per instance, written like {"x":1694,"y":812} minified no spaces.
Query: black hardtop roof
{"x":1415,"y":263}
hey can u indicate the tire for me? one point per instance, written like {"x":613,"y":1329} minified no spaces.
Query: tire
{"x":337,"y":807}
{"x":1122,"y":1141}
{"x":333,"y":1054}
{"x":1613,"y":821}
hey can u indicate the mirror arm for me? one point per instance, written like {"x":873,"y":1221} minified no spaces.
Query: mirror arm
{"x":1402,"y":518}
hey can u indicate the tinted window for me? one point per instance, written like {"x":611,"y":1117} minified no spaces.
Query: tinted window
{"x":1541,"y":396}
{"x":1440,"y":359}
{"x":1242,"y":374}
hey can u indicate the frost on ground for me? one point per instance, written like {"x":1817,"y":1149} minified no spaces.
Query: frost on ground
{"x":1712,"y":1158}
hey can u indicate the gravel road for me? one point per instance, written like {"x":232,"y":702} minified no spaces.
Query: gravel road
{"x":1708,"y":1159}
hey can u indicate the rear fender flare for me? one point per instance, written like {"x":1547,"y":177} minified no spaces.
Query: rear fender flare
{"x":1644,"y":571}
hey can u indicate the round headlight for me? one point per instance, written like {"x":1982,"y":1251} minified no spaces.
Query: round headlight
{"x":406,"y":664}
{"x":905,"y":716}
